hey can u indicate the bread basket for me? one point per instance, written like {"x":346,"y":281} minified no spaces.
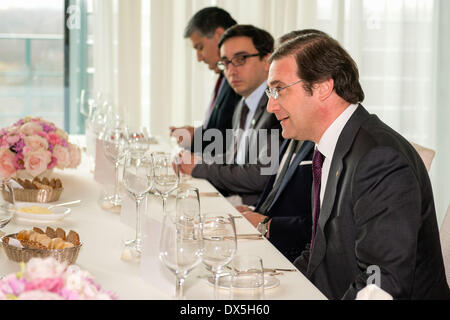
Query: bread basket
{"x":17,"y":254}
{"x":36,"y":190}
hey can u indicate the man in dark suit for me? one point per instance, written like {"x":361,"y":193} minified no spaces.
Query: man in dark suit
{"x":204,"y":30}
{"x":374,"y":219}
{"x":283,"y":211}
{"x":244,"y":52}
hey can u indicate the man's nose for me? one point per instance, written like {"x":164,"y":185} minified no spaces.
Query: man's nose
{"x":272,"y":105}
{"x":231,"y":69}
{"x":199,"y":56}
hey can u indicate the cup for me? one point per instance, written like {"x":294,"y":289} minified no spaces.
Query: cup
{"x":247,"y":278}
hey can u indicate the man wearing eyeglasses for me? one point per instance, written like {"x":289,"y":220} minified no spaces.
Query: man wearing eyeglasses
{"x":283,"y":211}
{"x":244,"y":52}
{"x":374,"y":220}
{"x":204,"y":30}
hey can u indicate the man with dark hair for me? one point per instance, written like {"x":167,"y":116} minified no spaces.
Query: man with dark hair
{"x":374,"y":220}
{"x":244,"y":51}
{"x":294,"y":34}
{"x":204,"y":30}
{"x":283,"y":212}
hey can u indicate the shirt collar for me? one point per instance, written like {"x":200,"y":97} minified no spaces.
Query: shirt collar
{"x":329,"y":139}
{"x":253,"y":99}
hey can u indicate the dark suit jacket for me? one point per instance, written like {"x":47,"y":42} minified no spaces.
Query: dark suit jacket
{"x":245,"y":180}
{"x":378,"y":210}
{"x":290,"y":227}
{"x":220,"y":119}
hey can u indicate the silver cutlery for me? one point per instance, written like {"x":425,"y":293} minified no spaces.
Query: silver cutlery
{"x":64,"y":204}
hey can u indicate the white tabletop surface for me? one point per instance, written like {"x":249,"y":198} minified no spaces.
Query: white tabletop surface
{"x":102,"y":234}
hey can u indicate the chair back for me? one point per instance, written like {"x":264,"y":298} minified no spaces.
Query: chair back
{"x":426,"y":154}
{"x":445,"y":243}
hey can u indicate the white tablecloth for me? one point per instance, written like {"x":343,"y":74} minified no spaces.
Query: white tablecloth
{"x":102,"y":234}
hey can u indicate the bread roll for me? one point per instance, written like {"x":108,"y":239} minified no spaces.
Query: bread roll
{"x":56,"y":243}
{"x":73,"y":237}
{"x":50,"y":232}
{"x":60,"y":233}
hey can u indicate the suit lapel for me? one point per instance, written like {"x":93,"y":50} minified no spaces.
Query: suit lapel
{"x":343,"y":146}
{"x":301,"y":154}
{"x":269,"y":185}
{"x":259,"y":111}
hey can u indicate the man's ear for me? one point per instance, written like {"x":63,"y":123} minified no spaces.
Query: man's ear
{"x":266,"y":60}
{"x":218,"y":33}
{"x":324,"y":89}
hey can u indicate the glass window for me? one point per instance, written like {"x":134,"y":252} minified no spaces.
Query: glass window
{"x":44,"y":60}
{"x":31,"y":60}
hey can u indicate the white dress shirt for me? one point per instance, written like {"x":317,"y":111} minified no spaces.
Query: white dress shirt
{"x":327,"y":144}
{"x":252,"y":102}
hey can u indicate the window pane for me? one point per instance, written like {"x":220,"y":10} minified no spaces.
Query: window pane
{"x":31,"y":60}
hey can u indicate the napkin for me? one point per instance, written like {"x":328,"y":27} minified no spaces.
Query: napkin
{"x":128,"y":210}
{"x":104,"y":172}
{"x":14,"y":184}
{"x":373,"y":292}
{"x":152,"y":269}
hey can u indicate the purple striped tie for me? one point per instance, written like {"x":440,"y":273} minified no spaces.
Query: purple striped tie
{"x":317,"y":163}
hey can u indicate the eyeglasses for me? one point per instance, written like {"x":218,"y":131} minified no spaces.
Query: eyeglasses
{"x":236,"y":61}
{"x":273,"y":92}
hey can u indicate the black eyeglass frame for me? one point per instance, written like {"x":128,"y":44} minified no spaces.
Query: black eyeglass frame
{"x":223,"y":64}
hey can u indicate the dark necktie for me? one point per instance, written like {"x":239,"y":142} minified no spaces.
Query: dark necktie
{"x":269,"y":199}
{"x":216,"y":90}
{"x":244,"y":113}
{"x":317,"y":163}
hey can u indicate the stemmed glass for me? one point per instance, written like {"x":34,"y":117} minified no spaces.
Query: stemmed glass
{"x":219,"y":241}
{"x":138,"y":139}
{"x":7,"y":203}
{"x":166,"y":175}
{"x":181,"y":244}
{"x":115,"y":146}
{"x":137,"y":179}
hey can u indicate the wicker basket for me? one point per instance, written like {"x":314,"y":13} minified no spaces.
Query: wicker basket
{"x":16,"y":254}
{"x":35,"y":190}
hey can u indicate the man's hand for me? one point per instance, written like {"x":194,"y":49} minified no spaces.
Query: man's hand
{"x":255,"y":218}
{"x":187,"y":162}
{"x":184,"y":135}
{"x":242,"y":209}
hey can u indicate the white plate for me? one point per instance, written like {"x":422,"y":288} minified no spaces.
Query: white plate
{"x":224,"y":282}
{"x":58,"y":212}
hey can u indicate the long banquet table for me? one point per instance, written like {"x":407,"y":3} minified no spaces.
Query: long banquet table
{"x":102,"y":234}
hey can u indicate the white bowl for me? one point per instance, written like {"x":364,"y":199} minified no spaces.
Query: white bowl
{"x":58,"y":213}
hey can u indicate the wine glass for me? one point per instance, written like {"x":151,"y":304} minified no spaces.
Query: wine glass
{"x":137,"y":179}
{"x":166,"y":175}
{"x":138,"y":139}
{"x":7,"y":203}
{"x":115,"y":146}
{"x":219,"y":241}
{"x":181,"y":237}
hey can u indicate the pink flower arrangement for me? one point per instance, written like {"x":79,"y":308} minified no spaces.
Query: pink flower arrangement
{"x":48,"y":279}
{"x":34,"y":146}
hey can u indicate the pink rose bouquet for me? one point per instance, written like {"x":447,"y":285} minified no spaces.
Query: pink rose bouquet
{"x":34,"y":146}
{"x":48,"y":279}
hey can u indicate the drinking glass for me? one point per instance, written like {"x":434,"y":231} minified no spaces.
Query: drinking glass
{"x":137,"y":179}
{"x":219,"y":241}
{"x":181,"y":237}
{"x":247,"y":278}
{"x":166,"y":175}
{"x":138,"y":139}
{"x":115,"y":145}
{"x":7,"y":203}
